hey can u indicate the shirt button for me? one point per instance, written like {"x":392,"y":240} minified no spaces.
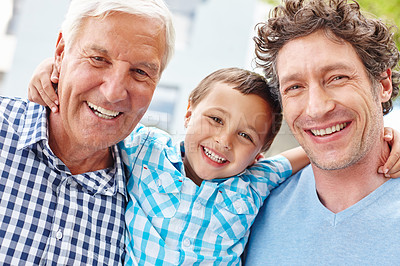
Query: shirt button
{"x":159,"y":183}
{"x":186,"y":242}
{"x":59,"y":235}
{"x":197,"y":206}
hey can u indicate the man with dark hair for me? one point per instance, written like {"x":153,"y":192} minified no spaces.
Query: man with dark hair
{"x":335,"y":70}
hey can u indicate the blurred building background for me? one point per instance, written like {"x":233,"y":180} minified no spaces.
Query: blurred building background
{"x":211,"y":34}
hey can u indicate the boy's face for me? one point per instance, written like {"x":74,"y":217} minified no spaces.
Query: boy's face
{"x":225,"y":133}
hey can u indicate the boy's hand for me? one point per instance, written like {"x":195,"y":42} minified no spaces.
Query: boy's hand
{"x":392,"y":166}
{"x":41,"y":89}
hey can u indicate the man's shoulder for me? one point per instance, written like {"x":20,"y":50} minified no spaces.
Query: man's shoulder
{"x":303,"y":176}
{"x":148,"y":136}
{"x":12,"y":105}
{"x":148,"y":143}
{"x":15,"y":111}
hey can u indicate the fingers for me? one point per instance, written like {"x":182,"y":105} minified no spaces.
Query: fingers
{"x":388,"y":134}
{"x":49,"y":96}
{"x":33,"y":94}
{"x":41,"y":89}
{"x":37,"y":94}
{"x":392,"y":166}
{"x":54,"y":75}
{"x":393,"y":175}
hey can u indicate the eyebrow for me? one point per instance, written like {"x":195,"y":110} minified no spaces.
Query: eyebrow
{"x":153,"y":67}
{"x":324,"y":69}
{"x":295,"y":76}
{"x":99,"y":49}
{"x":221,"y":110}
{"x":336,"y":66}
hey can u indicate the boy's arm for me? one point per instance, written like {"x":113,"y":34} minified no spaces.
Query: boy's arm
{"x":297,"y":158}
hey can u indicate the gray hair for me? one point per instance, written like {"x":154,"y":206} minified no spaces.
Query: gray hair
{"x":157,"y":9}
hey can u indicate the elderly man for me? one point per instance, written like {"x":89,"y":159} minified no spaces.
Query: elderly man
{"x":62,"y":184}
{"x":335,"y":69}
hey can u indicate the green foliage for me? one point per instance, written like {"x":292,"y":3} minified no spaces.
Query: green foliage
{"x":387,"y":10}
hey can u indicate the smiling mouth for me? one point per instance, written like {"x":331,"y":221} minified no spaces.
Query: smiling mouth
{"x":329,"y":130}
{"x":101,"y":112}
{"x":213,"y":156}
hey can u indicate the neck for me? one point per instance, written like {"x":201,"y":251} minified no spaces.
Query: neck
{"x":340,"y":189}
{"x":77,"y":157}
{"x":189,"y":172}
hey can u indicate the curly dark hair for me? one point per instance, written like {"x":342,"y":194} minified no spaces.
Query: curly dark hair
{"x":371,"y":38}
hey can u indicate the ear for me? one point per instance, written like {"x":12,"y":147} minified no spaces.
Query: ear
{"x":386,"y":85}
{"x":188,"y":114}
{"x":59,"y":53}
{"x":257,"y":158}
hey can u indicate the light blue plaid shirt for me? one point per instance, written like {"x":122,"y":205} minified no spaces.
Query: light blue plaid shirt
{"x":172,"y":221}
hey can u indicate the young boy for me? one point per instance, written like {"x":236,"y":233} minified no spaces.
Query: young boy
{"x":200,"y":198}
{"x":194,"y":203}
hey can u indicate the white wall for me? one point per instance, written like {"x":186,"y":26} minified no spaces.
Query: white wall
{"x":7,"y":42}
{"x":36,"y":37}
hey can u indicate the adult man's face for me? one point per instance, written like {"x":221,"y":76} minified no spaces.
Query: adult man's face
{"x":107,"y":78}
{"x":328,"y":100}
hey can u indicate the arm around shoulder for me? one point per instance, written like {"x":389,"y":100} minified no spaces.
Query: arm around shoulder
{"x":297,"y":158}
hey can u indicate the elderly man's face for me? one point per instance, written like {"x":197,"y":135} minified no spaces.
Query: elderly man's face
{"x":328,"y":100}
{"x":107,"y":77}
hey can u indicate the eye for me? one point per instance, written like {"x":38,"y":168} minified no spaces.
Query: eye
{"x":339,"y":78}
{"x":98,"y":59}
{"x":216,"y":119}
{"x":139,"y":74}
{"x":292,"y":88}
{"x":246,"y":136}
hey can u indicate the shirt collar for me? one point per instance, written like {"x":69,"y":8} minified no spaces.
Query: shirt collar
{"x":35,"y":126}
{"x":176,"y":154}
{"x":36,"y":129}
{"x":120,"y":172}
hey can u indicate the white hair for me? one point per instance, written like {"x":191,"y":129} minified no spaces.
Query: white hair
{"x":157,"y":9}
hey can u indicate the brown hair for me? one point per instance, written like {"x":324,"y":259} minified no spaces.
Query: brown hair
{"x":246,"y":82}
{"x":371,"y":38}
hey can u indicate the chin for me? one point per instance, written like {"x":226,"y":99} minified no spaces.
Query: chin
{"x":331,"y":165}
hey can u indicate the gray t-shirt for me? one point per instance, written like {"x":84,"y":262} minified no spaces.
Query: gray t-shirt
{"x":294,"y":228}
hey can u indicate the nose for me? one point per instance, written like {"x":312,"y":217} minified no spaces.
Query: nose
{"x":319,"y":102}
{"x":224,"y":140}
{"x":115,"y":85}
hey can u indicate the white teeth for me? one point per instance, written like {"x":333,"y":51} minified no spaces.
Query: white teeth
{"x":213,"y":156}
{"x":329,"y":130}
{"x":101,"y":112}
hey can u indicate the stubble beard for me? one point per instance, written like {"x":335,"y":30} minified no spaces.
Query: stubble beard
{"x":358,"y":150}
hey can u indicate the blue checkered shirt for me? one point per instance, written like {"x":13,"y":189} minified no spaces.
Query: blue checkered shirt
{"x":172,"y":221}
{"x":47,"y":215}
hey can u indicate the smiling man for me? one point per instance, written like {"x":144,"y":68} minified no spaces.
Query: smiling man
{"x":62,"y":184}
{"x":335,"y":70}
